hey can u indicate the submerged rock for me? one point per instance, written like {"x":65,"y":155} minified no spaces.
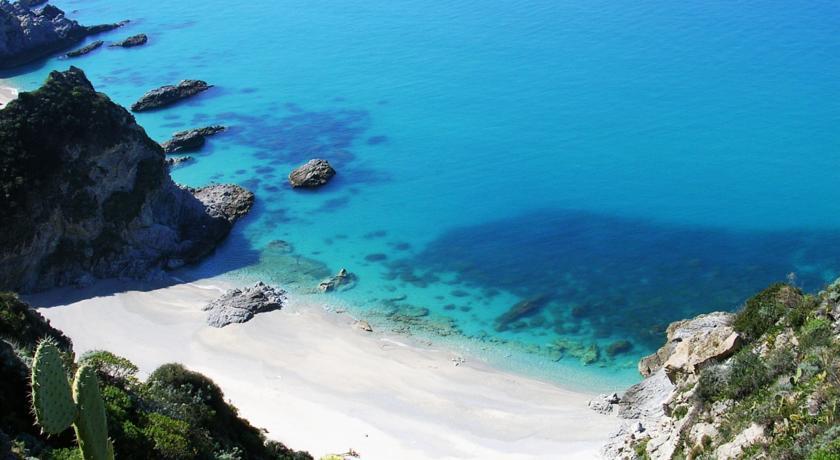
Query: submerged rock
{"x":190,"y":140}
{"x":87,"y":193}
{"x":521,"y":310}
{"x":30,"y":35}
{"x":342,"y":281}
{"x":314,"y":173}
{"x":85,"y":49}
{"x":240,"y":305}
{"x":168,"y":95}
{"x":132,"y":41}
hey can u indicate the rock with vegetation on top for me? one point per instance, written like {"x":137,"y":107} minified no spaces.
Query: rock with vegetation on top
{"x":757,"y":384}
{"x":240,"y":305}
{"x":314,"y":173}
{"x":29,"y":35}
{"x":85,"y":49}
{"x":130,"y":42}
{"x":86,"y":193}
{"x":190,"y":140}
{"x":168,"y":95}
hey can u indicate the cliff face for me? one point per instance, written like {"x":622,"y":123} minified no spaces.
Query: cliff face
{"x":27,"y":35}
{"x":762,"y":383}
{"x":86,"y":193}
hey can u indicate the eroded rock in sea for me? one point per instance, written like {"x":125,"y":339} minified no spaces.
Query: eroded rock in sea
{"x":169,"y":94}
{"x":240,"y":305}
{"x":190,"y":140}
{"x":88,"y":194}
{"x":85,"y":49}
{"x":132,"y":41}
{"x":31,"y":35}
{"x":521,"y":310}
{"x":342,"y":281}
{"x":314,"y":173}
{"x":174,"y":162}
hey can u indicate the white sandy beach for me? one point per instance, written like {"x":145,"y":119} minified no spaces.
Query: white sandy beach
{"x":317,"y":383}
{"x":7,"y":94}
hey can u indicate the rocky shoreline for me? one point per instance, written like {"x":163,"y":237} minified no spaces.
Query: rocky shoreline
{"x":31,"y":35}
{"x":100,"y":203}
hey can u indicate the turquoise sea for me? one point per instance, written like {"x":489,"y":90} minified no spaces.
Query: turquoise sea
{"x":618,"y":165}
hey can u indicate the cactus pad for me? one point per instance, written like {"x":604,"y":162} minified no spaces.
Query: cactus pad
{"x":91,"y":425}
{"x":54,"y":407}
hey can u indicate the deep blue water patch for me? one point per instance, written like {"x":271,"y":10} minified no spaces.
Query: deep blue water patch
{"x":621,"y":277}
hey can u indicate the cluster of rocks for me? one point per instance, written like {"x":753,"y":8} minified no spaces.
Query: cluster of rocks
{"x":31,"y":35}
{"x":671,"y":375}
{"x":101,"y":202}
{"x":191,"y":140}
{"x":174,"y":162}
{"x":169,"y":94}
{"x":314,"y":173}
{"x":240,"y":305}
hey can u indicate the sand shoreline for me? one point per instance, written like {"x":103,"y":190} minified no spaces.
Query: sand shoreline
{"x":316,"y":382}
{"x":7,"y":94}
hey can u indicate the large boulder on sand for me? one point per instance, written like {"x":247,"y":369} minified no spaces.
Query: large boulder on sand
{"x":314,"y":173}
{"x":240,"y":305}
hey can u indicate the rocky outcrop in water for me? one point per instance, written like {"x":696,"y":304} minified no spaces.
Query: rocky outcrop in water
{"x":240,"y":305}
{"x":190,"y":140}
{"x":168,"y":95}
{"x":132,"y":41}
{"x":85,"y":49}
{"x":174,"y":162}
{"x":314,"y":173}
{"x":342,"y":281}
{"x":30,"y":35}
{"x":87,"y":193}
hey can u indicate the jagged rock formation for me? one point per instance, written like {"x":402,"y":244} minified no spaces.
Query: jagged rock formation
{"x":314,"y":173}
{"x":85,"y":49}
{"x":30,"y":35}
{"x":86,"y":193}
{"x":190,"y":140}
{"x":764,"y":383}
{"x":132,"y":41}
{"x":168,"y":95}
{"x":240,"y":305}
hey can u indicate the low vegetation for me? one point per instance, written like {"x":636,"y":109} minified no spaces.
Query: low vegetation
{"x":785,"y":379}
{"x":174,"y":414}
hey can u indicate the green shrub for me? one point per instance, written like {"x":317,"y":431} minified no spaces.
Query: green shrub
{"x":168,"y":436}
{"x":816,"y":332}
{"x":763,"y":310}
{"x":712,"y":383}
{"x":746,"y":375}
{"x":827,"y":452}
{"x":110,"y":366}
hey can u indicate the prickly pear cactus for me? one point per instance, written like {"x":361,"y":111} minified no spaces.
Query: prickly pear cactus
{"x":91,"y":425}
{"x":54,"y":407}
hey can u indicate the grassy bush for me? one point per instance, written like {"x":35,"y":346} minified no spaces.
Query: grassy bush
{"x":815,"y":333}
{"x":747,"y":374}
{"x":712,"y":383}
{"x":763,"y":310}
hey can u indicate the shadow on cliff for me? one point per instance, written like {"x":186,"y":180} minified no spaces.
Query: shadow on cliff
{"x":234,"y":253}
{"x":624,"y":277}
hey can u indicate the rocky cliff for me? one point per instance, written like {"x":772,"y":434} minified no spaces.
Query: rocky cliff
{"x":86,"y":193}
{"x":762,"y":383}
{"x":27,"y":35}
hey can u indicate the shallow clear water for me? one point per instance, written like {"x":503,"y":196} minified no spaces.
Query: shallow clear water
{"x":618,"y":166}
